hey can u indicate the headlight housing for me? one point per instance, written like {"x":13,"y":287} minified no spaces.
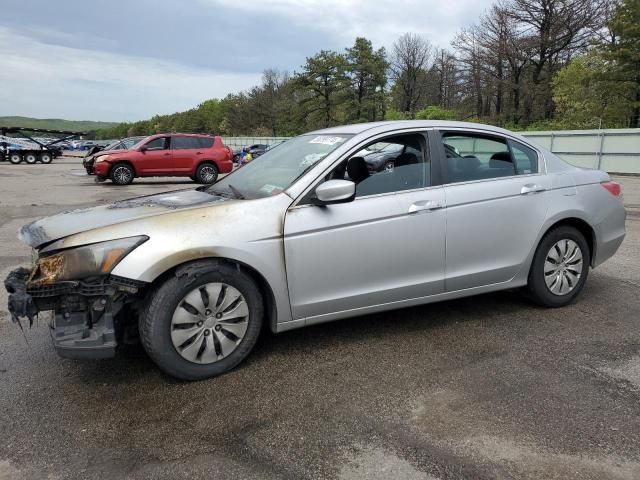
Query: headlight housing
{"x":101,"y":158}
{"x":82,"y":262}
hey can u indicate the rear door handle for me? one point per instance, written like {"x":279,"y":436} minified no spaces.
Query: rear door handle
{"x":198,"y":153}
{"x":531,"y":188}
{"x":425,"y":206}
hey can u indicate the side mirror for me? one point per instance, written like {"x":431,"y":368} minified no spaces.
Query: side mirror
{"x":143,"y":148}
{"x":335,"y":191}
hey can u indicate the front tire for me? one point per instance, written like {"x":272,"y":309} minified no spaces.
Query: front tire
{"x":560,"y":267}
{"x":121,"y":174}
{"x":207,"y":173}
{"x":203,"y":321}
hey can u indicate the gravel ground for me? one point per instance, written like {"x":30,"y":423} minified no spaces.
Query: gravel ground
{"x":486,"y":387}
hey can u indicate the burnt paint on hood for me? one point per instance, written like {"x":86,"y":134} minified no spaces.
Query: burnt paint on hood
{"x":58,"y":226}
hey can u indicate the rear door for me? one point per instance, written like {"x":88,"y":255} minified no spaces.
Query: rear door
{"x":186,"y":151}
{"x":496,"y":205}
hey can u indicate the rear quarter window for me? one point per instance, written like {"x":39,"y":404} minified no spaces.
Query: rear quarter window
{"x":205,"y":142}
{"x":526,"y":158}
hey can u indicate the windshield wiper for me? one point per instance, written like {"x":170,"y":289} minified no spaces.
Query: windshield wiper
{"x":236,"y":192}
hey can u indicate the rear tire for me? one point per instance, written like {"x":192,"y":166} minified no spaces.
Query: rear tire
{"x":207,"y":173}
{"x":46,"y":158}
{"x":30,"y":158}
{"x":15,"y":158}
{"x":560,"y":267}
{"x":121,"y":174}
{"x":191,"y":345}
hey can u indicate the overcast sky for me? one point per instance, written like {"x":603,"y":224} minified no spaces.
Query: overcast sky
{"x":128,"y":60}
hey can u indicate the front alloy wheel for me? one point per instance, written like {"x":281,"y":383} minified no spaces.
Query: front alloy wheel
{"x":121,"y":174}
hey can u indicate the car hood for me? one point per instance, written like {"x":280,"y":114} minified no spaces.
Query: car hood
{"x":50,"y":229}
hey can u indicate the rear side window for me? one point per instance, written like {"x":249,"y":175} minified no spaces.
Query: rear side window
{"x":526,"y":158}
{"x":181,"y":143}
{"x":205,"y":142}
{"x":476,"y":157}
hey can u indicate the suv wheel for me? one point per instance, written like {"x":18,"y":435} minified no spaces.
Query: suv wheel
{"x":203,"y":321}
{"x":560,"y":267}
{"x":207,"y":173}
{"x":121,"y":174}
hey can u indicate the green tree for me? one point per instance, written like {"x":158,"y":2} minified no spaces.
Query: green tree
{"x":586,"y":96}
{"x":322,"y":83}
{"x":624,"y":52}
{"x":367,"y":75}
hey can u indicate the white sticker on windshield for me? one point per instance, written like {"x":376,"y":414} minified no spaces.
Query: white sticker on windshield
{"x":324,"y":140}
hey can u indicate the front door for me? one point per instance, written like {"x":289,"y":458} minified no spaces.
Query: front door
{"x":156,"y":159}
{"x":385,"y":246}
{"x":496,"y":205}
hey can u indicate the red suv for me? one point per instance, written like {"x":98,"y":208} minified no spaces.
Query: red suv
{"x":200,"y":157}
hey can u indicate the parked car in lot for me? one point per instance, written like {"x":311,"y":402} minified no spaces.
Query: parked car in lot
{"x":200,"y":157}
{"x":255,"y":151}
{"x":123,"y":144}
{"x":294,"y":239}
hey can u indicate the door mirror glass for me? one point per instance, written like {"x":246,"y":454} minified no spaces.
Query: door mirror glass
{"x":335,"y":191}
{"x":143,"y":148}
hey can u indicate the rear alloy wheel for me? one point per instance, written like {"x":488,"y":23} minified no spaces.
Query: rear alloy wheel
{"x":560,"y":267}
{"x":122,"y":174}
{"x":203,"y":321}
{"x":46,"y":157}
{"x":30,"y":158}
{"x":15,"y":158}
{"x":207,"y":173}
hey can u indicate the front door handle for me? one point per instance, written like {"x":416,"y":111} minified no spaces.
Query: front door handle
{"x":198,"y":153}
{"x":425,"y":206}
{"x":167,"y":154}
{"x":531,"y":188}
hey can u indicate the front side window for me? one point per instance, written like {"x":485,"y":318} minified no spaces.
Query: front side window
{"x":393,"y":164}
{"x":476,"y":157}
{"x":277,"y":169}
{"x":161,"y":143}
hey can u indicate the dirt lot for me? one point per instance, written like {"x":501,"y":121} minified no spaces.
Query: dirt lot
{"x":488,"y":387}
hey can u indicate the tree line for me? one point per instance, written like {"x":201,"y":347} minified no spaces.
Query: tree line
{"x":525,"y":64}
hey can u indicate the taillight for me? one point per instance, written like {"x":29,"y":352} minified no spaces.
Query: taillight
{"x":613,"y":187}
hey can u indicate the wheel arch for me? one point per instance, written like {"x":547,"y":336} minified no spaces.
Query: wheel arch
{"x":268,"y":297}
{"x":582,"y":226}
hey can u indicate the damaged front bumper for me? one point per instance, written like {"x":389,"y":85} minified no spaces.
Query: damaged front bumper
{"x":85,"y":321}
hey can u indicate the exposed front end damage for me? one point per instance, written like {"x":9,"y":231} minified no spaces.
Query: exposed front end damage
{"x":89,"y":316}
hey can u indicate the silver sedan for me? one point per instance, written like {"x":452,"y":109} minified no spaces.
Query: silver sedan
{"x":308,"y":233}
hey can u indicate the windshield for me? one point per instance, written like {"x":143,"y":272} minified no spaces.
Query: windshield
{"x":112,"y":145}
{"x":277,"y":169}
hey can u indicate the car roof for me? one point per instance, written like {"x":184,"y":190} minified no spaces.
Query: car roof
{"x":357,"y":128}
